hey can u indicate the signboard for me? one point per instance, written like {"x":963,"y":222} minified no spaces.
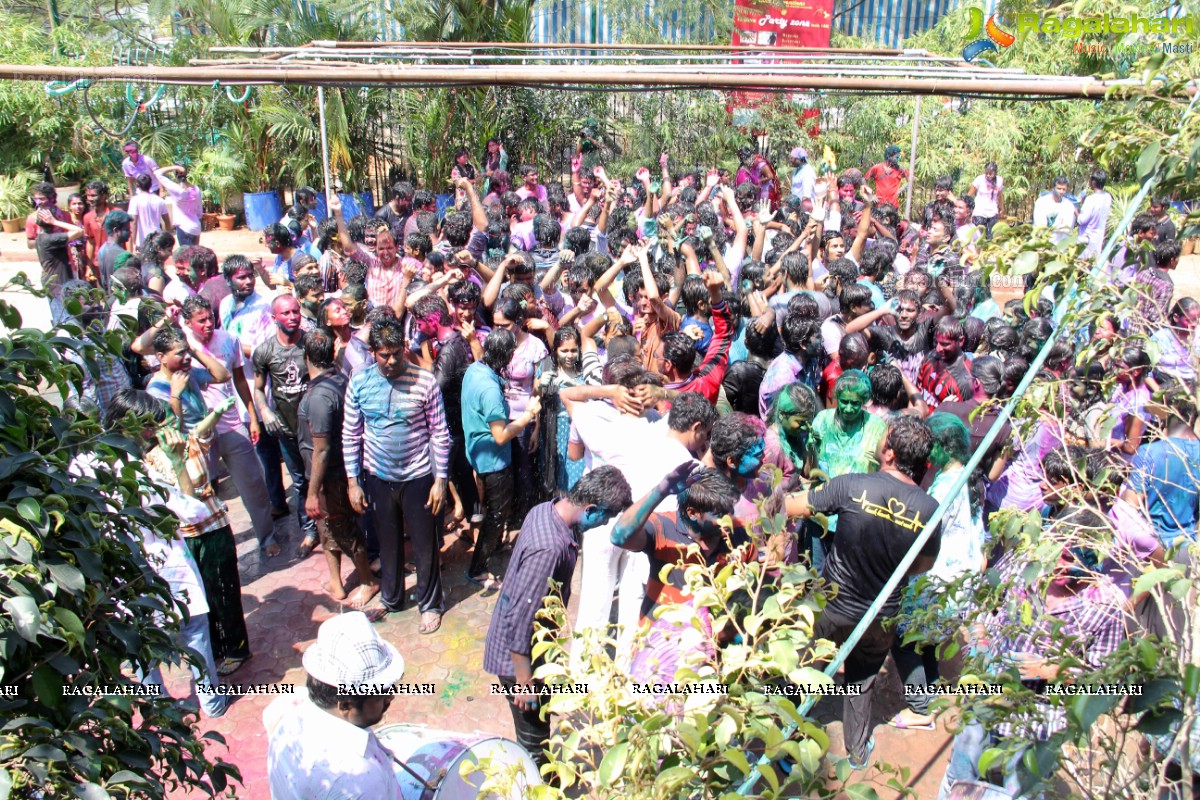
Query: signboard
{"x":769,"y":24}
{"x":782,"y":23}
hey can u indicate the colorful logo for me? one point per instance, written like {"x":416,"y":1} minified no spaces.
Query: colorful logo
{"x":979,"y":44}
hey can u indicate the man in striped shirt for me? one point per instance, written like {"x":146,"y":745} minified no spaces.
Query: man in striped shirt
{"x":397,"y":450}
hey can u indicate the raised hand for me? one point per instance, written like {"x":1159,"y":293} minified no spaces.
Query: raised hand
{"x":712,"y":178}
{"x":713,"y":279}
{"x":680,"y":478}
{"x":642,"y":174}
{"x":663,"y":160}
{"x":764,"y":212}
{"x":335,"y":205}
{"x":576,"y":162}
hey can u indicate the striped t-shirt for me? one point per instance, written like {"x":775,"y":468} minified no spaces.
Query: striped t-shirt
{"x":395,"y":429}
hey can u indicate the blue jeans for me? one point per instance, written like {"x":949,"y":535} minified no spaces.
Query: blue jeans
{"x":969,"y":745}
{"x":273,"y":449}
{"x":186,"y":239}
{"x":194,"y":635}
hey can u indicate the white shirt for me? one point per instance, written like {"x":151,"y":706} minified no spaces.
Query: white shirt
{"x":313,"y":755}
{"x":986,"y":196}
{"x":226,"y":348}
{"x":170,"y":558}
{"x":176,"y":291}
{"x":804,"y":182}
{"x":1060,"y":216}
{"x":634,"y":445}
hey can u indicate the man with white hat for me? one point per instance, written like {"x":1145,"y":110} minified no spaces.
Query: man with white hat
{"x":322,"y":748}
{"x":804,"y":179}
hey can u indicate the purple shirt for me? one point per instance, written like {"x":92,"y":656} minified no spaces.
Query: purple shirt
{"x":145,"y":166}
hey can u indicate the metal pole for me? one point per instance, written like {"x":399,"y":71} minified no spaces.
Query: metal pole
{"x":324,"y":145}
{"x":912,"y":158}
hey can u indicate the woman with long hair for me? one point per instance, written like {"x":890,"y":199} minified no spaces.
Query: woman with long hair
{"x":557,"y":371}
{"x":350,"y":353}
{"x":493,"y":160}
{"x":155,"y":253}
{"x":77,"y":248}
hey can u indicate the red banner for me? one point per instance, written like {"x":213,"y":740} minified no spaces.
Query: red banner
{"x":782,"y":23}
{"x":771,"y":24}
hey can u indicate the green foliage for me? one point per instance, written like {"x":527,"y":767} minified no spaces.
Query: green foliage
{"x":216,"y":173}
{"x":80,"y":603}
{"x":14,"y":194}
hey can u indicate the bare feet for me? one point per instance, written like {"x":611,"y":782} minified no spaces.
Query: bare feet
{"x":364,"y":594}
{"x":336,"y":590}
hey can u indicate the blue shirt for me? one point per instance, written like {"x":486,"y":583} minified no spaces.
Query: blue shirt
{"x":482,"y":404}
{"x":1161,"y":473}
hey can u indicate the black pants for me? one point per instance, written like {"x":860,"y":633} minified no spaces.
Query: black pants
{"x":533,"y":733}
{"x":271,"y":449}
{"x":398,"y":508}
{"x":862,"y":668}
{"x":917,"y":668}
{"x":524,"y":478}
{"x":987,"y":223}
{"x":498,"y":504}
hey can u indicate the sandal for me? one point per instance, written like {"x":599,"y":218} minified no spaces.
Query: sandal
{"x":430,"y":622}
{"x":901,"y":723}
{"x":306,"y":547}
{"x":377,"y":613}
{"x":861,"y":764}
{"x":487,"y":581}
{"x":230,"y":666}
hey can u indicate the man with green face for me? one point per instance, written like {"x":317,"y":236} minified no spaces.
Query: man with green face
{"x":845,"y":438}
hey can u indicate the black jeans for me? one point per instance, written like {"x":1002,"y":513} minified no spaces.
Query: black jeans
{"x":862,"y":668}
{"x":398,"y":508}
{"x":917,"y":668}
{"x":270,"y":450}
{"x":498,"y":503}
{"x":986,"y":223}
{"x":462,"y":476}
{"x":524,"y":478}
{"x":533,"y":733}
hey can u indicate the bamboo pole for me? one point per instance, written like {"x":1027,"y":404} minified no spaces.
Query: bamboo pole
{"x":560,"y":76}
{"x":324,"y":146}
{"x":727,"y":48}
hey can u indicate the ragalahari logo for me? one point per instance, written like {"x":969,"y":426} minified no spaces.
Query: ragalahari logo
{"x":980,"y":44}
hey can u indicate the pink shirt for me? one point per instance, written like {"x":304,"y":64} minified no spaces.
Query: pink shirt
{"x":524,"y":193}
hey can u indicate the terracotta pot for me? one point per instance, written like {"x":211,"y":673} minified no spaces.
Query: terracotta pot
{"x":225,"y":221}
{"x":208,"y":221}
{"x":12,"y":225}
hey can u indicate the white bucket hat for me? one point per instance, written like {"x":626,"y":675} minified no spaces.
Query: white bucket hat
{"x":349,"y":650}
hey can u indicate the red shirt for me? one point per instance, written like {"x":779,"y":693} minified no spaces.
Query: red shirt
{"x":93,"y":229}
{"x":667,"y":544}
{"x":887,"y":181}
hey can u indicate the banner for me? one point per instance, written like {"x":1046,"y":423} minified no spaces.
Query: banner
{"x":782,"y":23}
{"x":771,"y":24}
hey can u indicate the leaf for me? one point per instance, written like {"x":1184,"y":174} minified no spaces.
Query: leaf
{"x":735,"y":756}
{"x":1025,"y":263}
{"x":47,"y":685}
{"x":1148,"y":160}
{"x":26,"y":616}
{"x":613,"y":763}
{"x":672,"y":778}
{"x":1087,"y":708}
{"x":861,"y":791}
{"x":67,"y":577}
{"x":30,"y":509}
{"x":1162,"y":724}
{"x":1148,"y":580}
{"x":91,"y":791}
{"x":6,"y":784}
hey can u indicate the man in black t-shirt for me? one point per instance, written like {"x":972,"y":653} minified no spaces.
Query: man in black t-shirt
{"x":396,"y":211}
{"x":880,"y":516}
{"x":51,"y":245}
{"x":281,"y":358}
{"x":319,"y":430}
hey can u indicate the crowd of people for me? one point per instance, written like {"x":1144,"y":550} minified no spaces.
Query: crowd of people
{"x":607,"y":371}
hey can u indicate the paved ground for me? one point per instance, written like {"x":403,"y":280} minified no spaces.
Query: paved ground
{"x":285,"y":602}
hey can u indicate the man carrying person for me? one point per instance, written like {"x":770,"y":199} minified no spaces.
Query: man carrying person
{"x":136,"y":164}
{"x":149,"y":211}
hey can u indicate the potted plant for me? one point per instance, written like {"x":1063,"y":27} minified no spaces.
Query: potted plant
{"x":216,"y":172}
{"x":14,"y":200}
